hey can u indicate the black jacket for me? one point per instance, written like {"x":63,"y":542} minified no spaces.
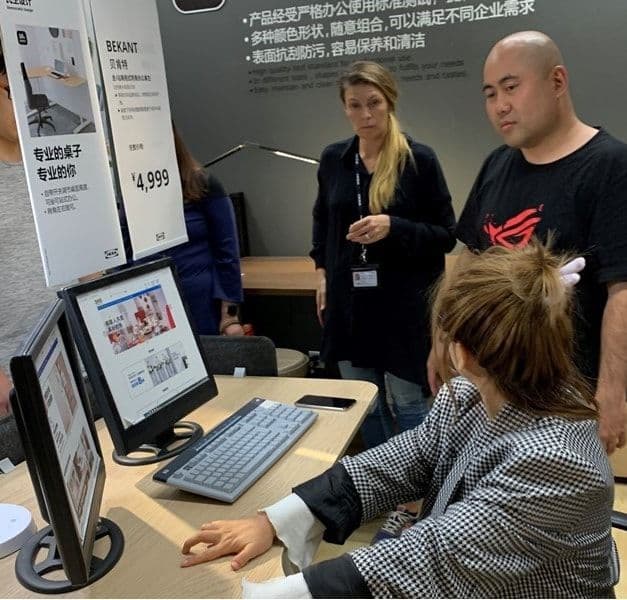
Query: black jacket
{"x":387,"y":328}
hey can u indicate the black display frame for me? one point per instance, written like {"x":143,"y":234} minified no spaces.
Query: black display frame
{"x":45,"y":470}
{"x":156,"y":429}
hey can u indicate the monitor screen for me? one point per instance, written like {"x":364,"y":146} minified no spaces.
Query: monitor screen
{"x":59,"y":66}
{"x":59,"y":438}
{"x":74,"y":447}
{"x":140,"y":351}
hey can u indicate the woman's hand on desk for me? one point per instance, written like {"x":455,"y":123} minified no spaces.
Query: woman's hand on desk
{"x":246,"y":538}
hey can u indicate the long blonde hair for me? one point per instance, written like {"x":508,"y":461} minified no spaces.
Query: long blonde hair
{"x":512,"y":311}
{"x":395,"y":150}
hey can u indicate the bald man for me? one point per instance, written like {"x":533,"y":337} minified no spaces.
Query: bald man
{"x":556,"y":173}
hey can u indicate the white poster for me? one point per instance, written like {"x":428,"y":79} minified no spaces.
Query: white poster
{"x":56,"y":105}
{"x":133,"y":71}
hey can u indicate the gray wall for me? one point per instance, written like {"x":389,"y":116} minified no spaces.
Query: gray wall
{"x":216,"y":104}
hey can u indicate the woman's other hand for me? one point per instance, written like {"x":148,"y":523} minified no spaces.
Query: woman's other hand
{"x":229,"y":320}
{"x":233,"y":329}
{"x":369,"y":230}
{"x":321,"y":295}
{"x":246,"y":538}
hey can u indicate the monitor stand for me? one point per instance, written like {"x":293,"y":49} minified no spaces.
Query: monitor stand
{"x":159,"y":449}
{"x":31,"y":574}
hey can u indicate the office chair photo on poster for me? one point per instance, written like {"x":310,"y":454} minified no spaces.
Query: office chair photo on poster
{"x":53,"y":74}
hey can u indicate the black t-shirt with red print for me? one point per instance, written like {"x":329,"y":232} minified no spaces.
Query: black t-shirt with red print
{"x":581,"y":198}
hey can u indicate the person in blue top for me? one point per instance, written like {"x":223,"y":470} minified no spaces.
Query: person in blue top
{"x":208,"y":263}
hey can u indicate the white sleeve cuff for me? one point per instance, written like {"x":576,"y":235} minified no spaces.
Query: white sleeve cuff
{"x":293,"y":586}
{"x":297,"y":528}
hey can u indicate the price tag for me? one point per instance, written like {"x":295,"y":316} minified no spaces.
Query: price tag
{"x":151,"y":179}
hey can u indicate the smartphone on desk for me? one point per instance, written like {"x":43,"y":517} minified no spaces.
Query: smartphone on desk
{"x":325,"y":402}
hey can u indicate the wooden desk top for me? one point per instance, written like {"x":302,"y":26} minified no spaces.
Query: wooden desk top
{"x":156,"y":518}
{"x":279,"y":275}
{"x":70,"y":81}
{"x":293,"y":275}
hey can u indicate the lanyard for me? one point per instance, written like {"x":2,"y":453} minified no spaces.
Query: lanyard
{"x":360,"y":206}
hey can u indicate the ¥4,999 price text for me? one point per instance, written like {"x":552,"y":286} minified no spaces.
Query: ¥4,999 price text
{"x":151,"y":179}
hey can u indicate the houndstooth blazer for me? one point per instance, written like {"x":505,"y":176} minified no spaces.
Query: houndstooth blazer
{"x":515,"y":506}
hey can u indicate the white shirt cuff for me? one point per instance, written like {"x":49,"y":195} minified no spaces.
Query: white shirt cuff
{"x":293,"y":586}
{"x":297,"y":528}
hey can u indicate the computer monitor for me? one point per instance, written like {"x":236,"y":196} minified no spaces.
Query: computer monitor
{"x":60,"y":66}
{"x":143,"y":358}
{"x":64,"y":460}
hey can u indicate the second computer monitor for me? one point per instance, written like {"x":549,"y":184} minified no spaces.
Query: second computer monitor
{"x":60,"y":67}
{"x":63,"y":457}
{"x":141,"y":354}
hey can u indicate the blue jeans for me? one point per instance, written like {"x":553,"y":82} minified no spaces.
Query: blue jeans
{"x":399,"y":405}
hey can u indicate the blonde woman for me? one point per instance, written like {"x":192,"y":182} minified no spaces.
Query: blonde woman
{"x":382,"y":223}
{"x":516,"y":484}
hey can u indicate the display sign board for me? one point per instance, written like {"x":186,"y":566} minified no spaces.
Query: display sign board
{"x":133,"y":71}
{"x":63,"y":146}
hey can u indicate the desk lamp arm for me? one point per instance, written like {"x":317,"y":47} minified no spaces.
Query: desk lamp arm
{"x":275,"y":151}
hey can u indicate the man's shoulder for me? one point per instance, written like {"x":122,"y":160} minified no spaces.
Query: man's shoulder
{"x":607,"y":139}
{"x":500,"y":155}
{"x":606,"y":145}
{"x":499,"y":159}
{"x":595,"y":165}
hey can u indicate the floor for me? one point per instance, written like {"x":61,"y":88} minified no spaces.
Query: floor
{"x":64,"y":121}
{"x":365,"y":533}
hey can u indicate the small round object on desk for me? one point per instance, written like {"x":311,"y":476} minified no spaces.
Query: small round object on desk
{"x":291,"y":363}
{"x":16,"y":526}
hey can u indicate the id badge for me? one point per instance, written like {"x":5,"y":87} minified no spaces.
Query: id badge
{"x":365,"y":277}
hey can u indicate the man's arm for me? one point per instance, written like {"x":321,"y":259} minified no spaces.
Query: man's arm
{"x":5,"y":388}
{"x":611,"y":392}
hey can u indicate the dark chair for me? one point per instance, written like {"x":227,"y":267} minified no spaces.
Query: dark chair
{"x":256,"y":354}
{"x":619,"y":520}
{"x":38,"y":102}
